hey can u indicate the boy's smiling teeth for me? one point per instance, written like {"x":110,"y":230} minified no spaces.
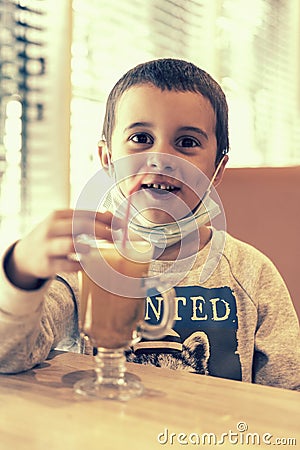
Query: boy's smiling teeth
{"x":164,"y":187}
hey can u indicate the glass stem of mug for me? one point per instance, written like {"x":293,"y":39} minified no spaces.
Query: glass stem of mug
{"x":110,"y":366}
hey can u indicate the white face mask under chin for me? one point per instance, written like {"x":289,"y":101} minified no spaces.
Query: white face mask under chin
{"x":167,"y":234}
{"x":170,"y":233}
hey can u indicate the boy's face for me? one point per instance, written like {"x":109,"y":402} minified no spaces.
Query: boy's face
{"x":165,"y":129}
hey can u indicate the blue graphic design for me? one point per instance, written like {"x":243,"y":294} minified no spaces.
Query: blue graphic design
{"x":205,"y":327}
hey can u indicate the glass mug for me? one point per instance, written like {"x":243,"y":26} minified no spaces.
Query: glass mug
{"x":113,"y":289}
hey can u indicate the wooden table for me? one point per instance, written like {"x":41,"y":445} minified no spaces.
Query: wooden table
{"x":39,"y":410}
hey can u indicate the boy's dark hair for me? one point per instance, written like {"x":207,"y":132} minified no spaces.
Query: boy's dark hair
{"x":173,"y":75}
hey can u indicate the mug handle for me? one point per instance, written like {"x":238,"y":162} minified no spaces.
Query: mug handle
{"x":158,"y":331}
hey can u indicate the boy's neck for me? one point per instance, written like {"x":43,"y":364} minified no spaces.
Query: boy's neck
{"x":187,"y":246}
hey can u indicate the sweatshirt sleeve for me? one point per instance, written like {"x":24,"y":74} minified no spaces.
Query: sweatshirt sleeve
{"x":277,"y":344}
{"x":32,"y":323}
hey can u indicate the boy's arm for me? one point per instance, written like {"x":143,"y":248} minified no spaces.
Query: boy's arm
{"x":37,"y":308}
{"x":32,"y":322}
{"x":277,"y":341}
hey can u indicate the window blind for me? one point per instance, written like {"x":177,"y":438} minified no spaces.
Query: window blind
{"x":34,"y":106}
{"x":21,"y":103}
{"x":259,"y":54}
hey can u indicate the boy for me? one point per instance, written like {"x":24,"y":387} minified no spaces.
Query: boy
{"x":238,"y":322}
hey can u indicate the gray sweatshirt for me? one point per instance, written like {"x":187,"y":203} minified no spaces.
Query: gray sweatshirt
{"x":234,"y":319}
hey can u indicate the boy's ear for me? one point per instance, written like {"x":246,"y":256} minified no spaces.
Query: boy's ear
{"x":221,"y":169}
{"x":104,"y":155}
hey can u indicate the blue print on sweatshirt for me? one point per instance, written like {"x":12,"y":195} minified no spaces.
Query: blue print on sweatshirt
{"x":206,"y":324}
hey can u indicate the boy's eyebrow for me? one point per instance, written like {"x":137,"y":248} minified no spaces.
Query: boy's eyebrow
{"x":196,"y":130}
{"x":138,"y":124}
{"x":185,"y":128}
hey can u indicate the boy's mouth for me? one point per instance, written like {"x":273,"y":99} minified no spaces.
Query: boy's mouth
{"x":160,"y":188}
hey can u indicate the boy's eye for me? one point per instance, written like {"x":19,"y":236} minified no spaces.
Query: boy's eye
{"x":188,"y":142}
{"x":141,"y":138}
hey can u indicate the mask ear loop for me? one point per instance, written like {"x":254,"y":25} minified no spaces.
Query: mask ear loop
{"x":208,"y":190}
{"x":110,"y":167}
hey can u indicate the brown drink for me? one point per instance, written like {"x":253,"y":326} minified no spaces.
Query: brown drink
{"x":110,"y":319}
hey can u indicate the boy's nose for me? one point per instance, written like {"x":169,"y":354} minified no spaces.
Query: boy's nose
{"x":161,"y":161}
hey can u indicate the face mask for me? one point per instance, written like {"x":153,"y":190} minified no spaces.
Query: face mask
{"x":167,"y":234}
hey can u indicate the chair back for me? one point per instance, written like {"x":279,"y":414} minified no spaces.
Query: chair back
{"x":262,"y":207}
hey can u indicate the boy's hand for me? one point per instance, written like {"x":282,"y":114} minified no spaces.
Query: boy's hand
{"x":45,"y":250}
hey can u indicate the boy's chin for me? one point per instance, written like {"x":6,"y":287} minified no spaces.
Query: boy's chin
{"x":157,"y":216}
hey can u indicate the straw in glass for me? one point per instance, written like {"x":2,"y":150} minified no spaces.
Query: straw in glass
{"x":134,"y":189}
